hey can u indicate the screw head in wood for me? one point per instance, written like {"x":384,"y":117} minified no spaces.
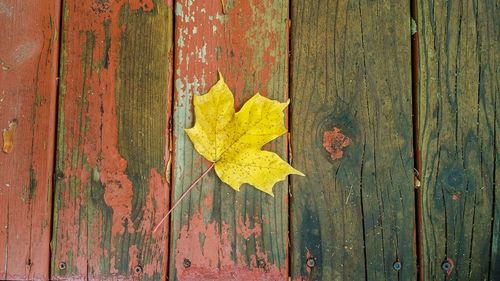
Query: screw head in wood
{"x":62,"y":265}
{"x":310,"y":262}
{"x":397,"y":265}
{"x":445,"y":266}
{"x":186,"y":263}
{"x":138,"y":269}
{"x":59,"y":175}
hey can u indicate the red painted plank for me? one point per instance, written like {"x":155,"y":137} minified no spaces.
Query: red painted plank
{"x":112,"y":181}
{"x":218,"y":233}
{"x":28,"y":69}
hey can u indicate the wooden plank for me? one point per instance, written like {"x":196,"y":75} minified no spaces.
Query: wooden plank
{"x":112,"y":179}
{"x":28,"y":70}
{"x":217,"y":233}
{"x":459,"y":91}
{"x":352,"y":216}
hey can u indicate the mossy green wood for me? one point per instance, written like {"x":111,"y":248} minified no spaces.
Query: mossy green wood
{"x":352,"y":217}
{"x":217,"y":232}
{"x":459,"y":139}
{"x":112,"y":146}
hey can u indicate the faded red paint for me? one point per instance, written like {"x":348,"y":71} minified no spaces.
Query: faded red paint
{"x":156,"y":203}
{"x":208,"y":201}
{"x":452,"y":265}
{"x":334,"y":142}
{"x":209,"y":252}
{"x":244,"y":229}
{"x":238,"y":39}
{"x":456,"y":196}
{"x":248,"y":46}
{"x":90,"y":132}
{"x":308,"y":256}
{"x":28,"y":70}
{"x":145,"y":5}
{"x":89,"y":115}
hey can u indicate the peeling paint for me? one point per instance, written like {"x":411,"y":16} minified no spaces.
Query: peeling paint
{"x":244,"y":229}
{"x":8,"y":136}
{"x":178,"y":9}
{"x":120,"y":194}
{"x":251,"y":49}
{"x":212,"y":258}
{"x":24,"y":52}
{"x":5,"y":9}
{"x":145,"y":5}
{"x":456,"y":196}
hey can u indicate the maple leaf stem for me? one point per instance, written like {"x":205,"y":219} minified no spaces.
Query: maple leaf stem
{"x":184,"y":195}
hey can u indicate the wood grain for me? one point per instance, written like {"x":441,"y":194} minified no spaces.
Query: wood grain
{"x":112,"y":180}
{"x":28,"y":71}
{"x":352,"y":216}
{"x":218,"y":233}
{"x":459,"y":122}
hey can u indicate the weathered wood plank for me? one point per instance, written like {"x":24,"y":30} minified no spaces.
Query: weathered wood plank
{"x":353,"y":213}
{"x":217,"y":233}
{"x":459,"y":94}
{"x":113,"y":138}
{"x":28,"y":71}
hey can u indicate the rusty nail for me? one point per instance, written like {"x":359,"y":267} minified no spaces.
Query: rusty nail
{"x":445,"y":266}
{"x":62,"y":265}
{"x":138,"y":269}
{"x":310,"y":262}
{"x":397,"y":265}
{"x":59,"y":175}
{"x":186,"y":263}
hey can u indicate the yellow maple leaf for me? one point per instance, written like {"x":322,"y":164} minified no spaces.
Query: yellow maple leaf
{"x":233,"y":141}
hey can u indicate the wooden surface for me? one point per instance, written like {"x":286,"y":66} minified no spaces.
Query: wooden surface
{"x":28,"y":70}
{"x":352,"y":216}
{"x":113,"y":141}
{"x":128,"y":71}
{"x":217,"y":233}
{"x":459,"y":122}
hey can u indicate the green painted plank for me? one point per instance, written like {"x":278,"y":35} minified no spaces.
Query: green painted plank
{"x":459,"y":95}
{"x":353,"y":214}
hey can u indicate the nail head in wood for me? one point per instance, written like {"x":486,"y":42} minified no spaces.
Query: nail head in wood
{"x":445,"y":266}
